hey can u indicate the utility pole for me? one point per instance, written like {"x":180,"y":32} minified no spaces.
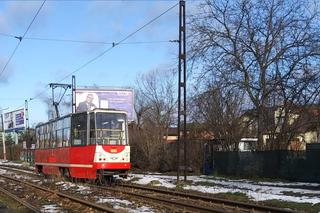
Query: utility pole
{"x":73,"y":85}
{"x":3,"y":135}
{"x":26,"y":108}
{"x":182,"y":113}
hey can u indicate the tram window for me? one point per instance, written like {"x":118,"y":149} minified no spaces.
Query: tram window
{"x":41,"y":141}
{"x":46,"y":136}
{"x":111,"y":129}
{"x":46,"y":140}
{"x":38,"y":138}
{"x":92,"y":128}
{"x":59,"y":124}
{"x":66,"y":122}
{"x":59,"y":138}
{"x":53,"y":138}
{"x":66,"y":137}
{"x":79,"y":129}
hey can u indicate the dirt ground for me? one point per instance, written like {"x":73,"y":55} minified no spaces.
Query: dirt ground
{"x":8,"y":205}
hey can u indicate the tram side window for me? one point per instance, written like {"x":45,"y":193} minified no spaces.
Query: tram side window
{"x":59,"y":138}
{"x":46,"y":141}
{"x":92,"y":128}
{"x":46,"y":137}
{"x":53,"y":135}
{"x":66,"y":131}
{"x":38,"y":138}
{"x":41,"y":141}
{"x":66,"y":122}
{"x":66,"y":137}
{"x":79,"y":129}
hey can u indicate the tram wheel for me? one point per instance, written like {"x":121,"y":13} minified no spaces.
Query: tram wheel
{"x":111,"y":180}
{"x":101,"y":179}
{"x":65,"y":174}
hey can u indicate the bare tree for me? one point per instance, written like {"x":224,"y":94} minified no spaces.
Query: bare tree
{"x":155,"y":107}
{"x":218,"y":112}
{"x":259,"y":46}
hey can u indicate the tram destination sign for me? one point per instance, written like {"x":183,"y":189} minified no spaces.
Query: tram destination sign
{"x":14,"y":121}
{"x":119,"y":99}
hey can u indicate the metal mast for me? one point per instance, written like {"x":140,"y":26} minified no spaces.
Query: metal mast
{"x":73,"y":94}
{"x":56,"y":103}
{"x":182,"y":91}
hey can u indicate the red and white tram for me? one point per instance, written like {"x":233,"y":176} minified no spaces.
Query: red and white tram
{"x":90,"y":145}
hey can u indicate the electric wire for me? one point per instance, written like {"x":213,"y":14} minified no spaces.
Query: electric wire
{"x":122,"y":41}
{"x":7,"y":35}
{"x":126,"y":0}
{"x":84,"y":41}
{"x":92,"y":42}
{"x":21,"y":38}
{"x":117,"y":43}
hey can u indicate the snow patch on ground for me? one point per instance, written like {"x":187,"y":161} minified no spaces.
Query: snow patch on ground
{"x":52,"y":208}
{"x":22,"y":177}
{"x":65,"y":185}
{"x":114,"y":201}
{"x":124,"y":205}
{"x":9,"y":163}
{"x":257,"y":191}
{"x":2,"y":172}
{"x":78,"y":188}
{"x":25,"y":171}
{"x":142,"y":209}
{"x":84,"y":190}
{"x":165,"y":181}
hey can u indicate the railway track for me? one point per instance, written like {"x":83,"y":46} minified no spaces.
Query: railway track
{"x":186,"y":201}
{"x":235,"y":205}
{"x":19,"y":200}
{"x":83,"y":202}
{"x":170,"y":201}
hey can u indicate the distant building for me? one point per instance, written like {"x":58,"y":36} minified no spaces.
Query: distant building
{"x":248,"y":144}
{"x":299,"y":124}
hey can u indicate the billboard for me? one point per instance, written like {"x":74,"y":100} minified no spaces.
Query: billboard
{"x":1,"y":123}
{"x":14,"y":121}
{"x":120,"y":99}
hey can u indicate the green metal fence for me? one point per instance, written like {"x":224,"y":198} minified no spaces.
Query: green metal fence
{"x":289,"y":165}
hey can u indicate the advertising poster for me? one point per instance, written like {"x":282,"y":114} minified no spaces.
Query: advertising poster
{"x":119,"y":99}
{"x":14,"y":121}
{"x":1,"y":122}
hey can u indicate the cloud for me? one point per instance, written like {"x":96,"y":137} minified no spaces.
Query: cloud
{"x":122,"y":18}
{"x":115,"y":20}
{"x":8,"y":72}
{"x":15,"y":16}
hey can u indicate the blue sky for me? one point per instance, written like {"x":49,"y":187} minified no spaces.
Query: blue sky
{"x":37,"y":63}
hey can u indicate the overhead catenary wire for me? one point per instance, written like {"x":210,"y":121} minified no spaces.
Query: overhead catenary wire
{"x":111,"y":0}
{"x":7,"y":35}
{"x":21,"y":38}
{"x":84,"y":41}
{"x":113,"y":45}
{"x":92,"y":42}
{"x":119,"y":42}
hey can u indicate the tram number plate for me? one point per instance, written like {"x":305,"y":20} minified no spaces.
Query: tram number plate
{"x":113,"y":150}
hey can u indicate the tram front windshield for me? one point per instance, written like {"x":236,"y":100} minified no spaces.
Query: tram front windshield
{"x":110,"y":128}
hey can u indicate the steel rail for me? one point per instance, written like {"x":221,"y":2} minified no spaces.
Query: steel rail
{"x":174,"y":202}
{"x":211,"y":199}
{"x":14,"y":197}
{"x":84,"y":202}
{"x":230,"y":203}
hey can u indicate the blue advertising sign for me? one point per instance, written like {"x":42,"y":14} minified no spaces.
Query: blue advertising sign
{"x":119,"y":99}
{"x":14,"y":121}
